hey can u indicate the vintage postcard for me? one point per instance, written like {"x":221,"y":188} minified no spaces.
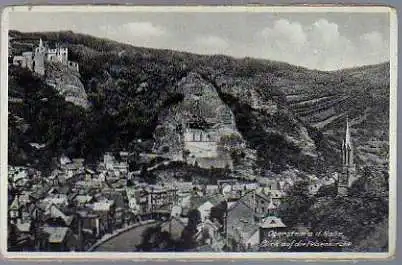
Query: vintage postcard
{"x":198,"y":132}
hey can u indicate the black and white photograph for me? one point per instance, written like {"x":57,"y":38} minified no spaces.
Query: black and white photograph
{"x":199,"y":131}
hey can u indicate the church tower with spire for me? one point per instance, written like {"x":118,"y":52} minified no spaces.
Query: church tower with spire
{"x":348,"y":173}
{"x":39,"y":58}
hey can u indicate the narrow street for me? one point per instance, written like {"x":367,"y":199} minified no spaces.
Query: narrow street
{"x":126,"y":241}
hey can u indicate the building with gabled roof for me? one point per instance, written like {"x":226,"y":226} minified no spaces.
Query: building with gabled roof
{"x":54,"y":212}
{"x":268,"y":225}
{"x":205,"y":210}
{"x":272,"y":222}
{"x":14,"y":210}
{"x":60,"y":238}
{"x":57,"y":199}
{"x":241,"y":225}
{"x":82,"y":200}
{"x":103,"y":206}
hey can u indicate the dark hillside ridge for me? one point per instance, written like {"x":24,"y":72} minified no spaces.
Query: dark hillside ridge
{"x":292,"y":116}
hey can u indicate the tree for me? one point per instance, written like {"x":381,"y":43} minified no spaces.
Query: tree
{"x":218,"y":212}
{"x":328,"y":191}
{"x":149,"y":238}
{"x":12,"y":237}
{"x":296,"y":206}
{"x":230,"y":142}
{"x":361,"y":216}
{"x":186,"y":154}
{"x":187,"y":237}
{"x":165,"y":149}
{"x":205,"y":236}
{"x":194,"y":218}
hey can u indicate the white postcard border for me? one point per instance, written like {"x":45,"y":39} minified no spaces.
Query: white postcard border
{"x":200,"y":255}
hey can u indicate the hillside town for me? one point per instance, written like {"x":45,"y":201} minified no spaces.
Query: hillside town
{"x":147,"y":134}
{"x":81,"y":206}
{"x":78,"y":207}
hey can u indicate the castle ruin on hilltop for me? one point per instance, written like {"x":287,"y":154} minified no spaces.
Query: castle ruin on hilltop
{"x":35,"y":60}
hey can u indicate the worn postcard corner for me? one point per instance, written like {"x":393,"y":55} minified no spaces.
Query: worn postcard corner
{"x":183,"y":133}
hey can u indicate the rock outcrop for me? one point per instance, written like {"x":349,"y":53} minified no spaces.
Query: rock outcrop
{"x":229,"y":109}
{"x":67,"y":83}
{"x":201,"y":102}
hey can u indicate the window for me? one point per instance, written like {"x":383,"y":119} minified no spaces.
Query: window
{"x":243,"y":220}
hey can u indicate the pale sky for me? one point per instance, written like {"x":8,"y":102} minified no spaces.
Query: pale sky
{"x":325,"y":41}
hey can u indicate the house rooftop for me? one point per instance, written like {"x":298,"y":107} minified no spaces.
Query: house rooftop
{"x":24,"y":227}
{"x":240,"y":219}
{"x":64,"y":160}
{"x":55,"y":212}
{"x":272,"y":222}
{"x":15,"y":205}
{"x":102,"y":205}
{"x":83,"y":198}
{"x":56,"y":234}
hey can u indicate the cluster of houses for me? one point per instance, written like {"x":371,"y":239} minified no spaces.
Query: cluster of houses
{"x":68,"y":209}
{"x":246,"y":210}
{"x":76,"y":205}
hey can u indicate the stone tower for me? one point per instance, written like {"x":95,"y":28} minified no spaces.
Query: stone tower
{"x":348,"y":167}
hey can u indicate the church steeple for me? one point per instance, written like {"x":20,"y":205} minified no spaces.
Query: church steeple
{"x":40,"y":43}
{"x":347,"y":137}
{"x":347,"y":148}
{"x":347,"y":176}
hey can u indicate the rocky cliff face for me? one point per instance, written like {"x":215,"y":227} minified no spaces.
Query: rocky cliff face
{"x":200,"y":103}
{"x":268,"y":126}
{"x":67,"y":83}
{"x":237,"y":108}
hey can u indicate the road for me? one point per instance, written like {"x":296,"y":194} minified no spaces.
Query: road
{"x":126,"y":241}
